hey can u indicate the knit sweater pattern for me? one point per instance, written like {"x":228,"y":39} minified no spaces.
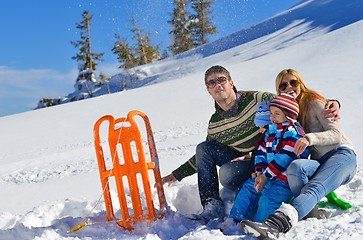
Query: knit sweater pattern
{"x":234,"y":128}
{"x":324,"y":134}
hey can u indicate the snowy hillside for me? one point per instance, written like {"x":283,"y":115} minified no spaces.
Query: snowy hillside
{"x":49,"y":180}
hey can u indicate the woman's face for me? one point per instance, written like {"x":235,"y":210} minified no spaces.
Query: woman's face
{"x":290,"y":85}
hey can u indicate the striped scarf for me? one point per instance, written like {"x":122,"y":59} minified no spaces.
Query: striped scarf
{"x":276,"y":151}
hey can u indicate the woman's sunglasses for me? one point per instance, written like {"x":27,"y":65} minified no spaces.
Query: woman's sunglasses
{"x":292,"y":83}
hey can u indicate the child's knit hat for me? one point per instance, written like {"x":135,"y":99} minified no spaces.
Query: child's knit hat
{"x":262,"y":117}
{"x":287,"y":104}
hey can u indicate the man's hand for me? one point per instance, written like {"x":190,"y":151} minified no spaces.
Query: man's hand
{"x":247,"y":156}
{"x":168,"y":179}
{"x":260,"y":182}
{"x":332,"y":110}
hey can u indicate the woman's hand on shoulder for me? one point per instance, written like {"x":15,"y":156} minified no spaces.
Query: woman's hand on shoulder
{"x":331,"y":110}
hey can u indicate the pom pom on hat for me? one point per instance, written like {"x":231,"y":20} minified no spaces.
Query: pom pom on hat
{"x":287,"y":104}
{"x":262,"y":117}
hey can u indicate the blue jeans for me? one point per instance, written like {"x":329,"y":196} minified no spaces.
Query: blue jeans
{"x":209,"y":155}
{"x":299,"y":173}
{"x":337,"y":168}
{"x":257,"y":206}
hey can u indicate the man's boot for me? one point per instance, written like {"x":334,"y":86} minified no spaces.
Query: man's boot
{"x":281,"y":221}
{"x":213,"y":209}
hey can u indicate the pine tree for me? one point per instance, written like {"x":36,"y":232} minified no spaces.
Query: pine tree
{"x":104,"y":80}
{"x":139,"y":54}
{"x":146,"y":53}
{"x":124,"y":53}
{"x":181,"y":37}
{"x":86,"y":58}
{"x":201,"y":21}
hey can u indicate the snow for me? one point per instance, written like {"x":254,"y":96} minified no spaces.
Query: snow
{"x":49,"y":180}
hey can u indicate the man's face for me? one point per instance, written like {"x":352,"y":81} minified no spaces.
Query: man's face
{"x":219,"y":87}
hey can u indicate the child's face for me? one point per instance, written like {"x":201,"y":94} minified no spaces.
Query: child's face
{"x":276,"y":115}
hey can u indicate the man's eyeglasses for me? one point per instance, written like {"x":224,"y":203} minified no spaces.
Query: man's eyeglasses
{"x":213,"y":82}
{"x":292,"y":83}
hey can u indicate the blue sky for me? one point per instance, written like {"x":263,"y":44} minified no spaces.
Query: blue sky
{"x":36,"y":54}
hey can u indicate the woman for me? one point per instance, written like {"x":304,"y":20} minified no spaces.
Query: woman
{"x":335,"y":163}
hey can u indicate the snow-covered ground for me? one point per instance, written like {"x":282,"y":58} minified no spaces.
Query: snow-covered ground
{"x":49,"y":180}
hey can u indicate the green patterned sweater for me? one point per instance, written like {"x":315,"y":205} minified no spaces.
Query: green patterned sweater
{"x":234,"y":128}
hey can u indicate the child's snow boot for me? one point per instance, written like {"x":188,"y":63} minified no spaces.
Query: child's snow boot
{"x":281,"y":221}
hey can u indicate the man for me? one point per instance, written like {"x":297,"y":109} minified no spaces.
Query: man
{"x":230,"y":140}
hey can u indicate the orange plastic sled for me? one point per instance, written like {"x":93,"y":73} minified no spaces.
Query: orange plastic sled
{"x":123,"y":133}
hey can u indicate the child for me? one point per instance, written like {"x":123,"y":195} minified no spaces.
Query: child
{"x":268,"y":188}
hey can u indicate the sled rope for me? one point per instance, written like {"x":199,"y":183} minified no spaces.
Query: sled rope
{"x":86,"y":222}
